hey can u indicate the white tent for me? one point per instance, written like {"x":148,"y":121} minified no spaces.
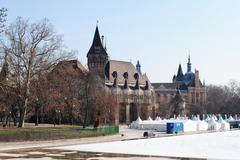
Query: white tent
{"x":136,"y":124}
{"x":148,"y":124}
{"x":230,"y":119}
{"x":149,"y":119}
{"x":224,"y":125}
{"x":189,"y":126}
{"x":158,"y":118}
{"x":202,"y":125}
{"x":207,"y":119}
{"x":213,"y":125}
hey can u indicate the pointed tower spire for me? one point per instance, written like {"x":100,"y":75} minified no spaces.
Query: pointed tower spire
{"x":189,"y":65}
{"x":138,"y":67}
{"x":97,"y":56}
{"x":97,"y":46}
{"x":179,"y":76}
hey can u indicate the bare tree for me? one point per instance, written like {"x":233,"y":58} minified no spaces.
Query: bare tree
{"x":3,"y":16}
{"x":223,"y":99}
{"x":34,"y":49}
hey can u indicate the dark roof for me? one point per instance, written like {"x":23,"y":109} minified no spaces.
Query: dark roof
{"x":97,"y":46}
{"x":189,"y":77}
{"x":121,"y":67}
{"x":179,"y":73}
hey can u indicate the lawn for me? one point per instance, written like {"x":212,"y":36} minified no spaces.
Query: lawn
{"x":54,"y":133}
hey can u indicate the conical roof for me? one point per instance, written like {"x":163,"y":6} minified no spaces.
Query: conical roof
{"x":97,"y":46}
{"x":138,"y":120}
{"x":230,"y":118}
{"x":149,"y":118}
{"x":180,"y":75}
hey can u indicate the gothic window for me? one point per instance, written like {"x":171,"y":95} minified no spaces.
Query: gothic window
{"x":197,"y":98}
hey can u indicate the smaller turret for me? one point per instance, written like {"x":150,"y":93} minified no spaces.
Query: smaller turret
{"x":197,"y":79}
{"x":189,"y":65}
{"x":125,"y":76}
{"x":136,"y":77}
{"x":138,"y":67}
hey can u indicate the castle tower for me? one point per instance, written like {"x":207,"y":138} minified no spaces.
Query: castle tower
{"x":189,"y":65}
{"x":97,"y":56}
{"x":138,"y":67}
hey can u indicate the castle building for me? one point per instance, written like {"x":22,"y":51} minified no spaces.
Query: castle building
{"x":121,"y":78}
{"x":190,"y":85}
{"x":136,"y":95}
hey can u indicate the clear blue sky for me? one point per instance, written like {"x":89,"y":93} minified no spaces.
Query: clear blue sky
{"x":159,"y":33}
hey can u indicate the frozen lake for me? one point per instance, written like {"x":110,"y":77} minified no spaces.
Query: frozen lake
{"x":217,"y":145}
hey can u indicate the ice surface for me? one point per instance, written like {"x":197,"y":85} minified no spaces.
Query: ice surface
{"x":217,"y":145}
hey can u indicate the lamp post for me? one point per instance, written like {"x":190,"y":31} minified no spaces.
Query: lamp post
{"x":58,"y":114}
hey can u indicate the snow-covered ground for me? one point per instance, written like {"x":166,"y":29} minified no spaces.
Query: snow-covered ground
{"x":217,"y":145}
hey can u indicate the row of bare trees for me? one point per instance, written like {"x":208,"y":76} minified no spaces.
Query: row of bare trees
{"x":223,"y":99}
{"x":30,"y":52}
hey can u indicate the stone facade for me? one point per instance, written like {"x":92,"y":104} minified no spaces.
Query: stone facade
{"x":190,"y":85}
{"x":136,"y":95}
{"x":132,"y":88}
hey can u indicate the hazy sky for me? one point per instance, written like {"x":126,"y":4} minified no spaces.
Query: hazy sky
{"x":159,"y":33}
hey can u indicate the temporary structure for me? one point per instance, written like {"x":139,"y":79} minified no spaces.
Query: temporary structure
{"x":213,"y":125}
{"x":189,"y":126}
{"x":224,"y":125}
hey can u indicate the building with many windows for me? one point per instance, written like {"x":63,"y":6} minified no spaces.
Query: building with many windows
{"x":137,"y":96}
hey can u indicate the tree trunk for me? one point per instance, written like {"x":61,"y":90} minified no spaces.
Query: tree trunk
{"x":85,"y":118}
{"x":14,"y":119}
{"x":24,"y":109}
{"x":27,"y":92}
{"x":22,"y":117}
{"x":36,"y":116}
{"x":87,"y":105}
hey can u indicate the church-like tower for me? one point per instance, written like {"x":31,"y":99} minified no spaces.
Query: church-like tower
{"x":97,"y":56}
{"x":138,"y":67}
{"x":189,"y":65}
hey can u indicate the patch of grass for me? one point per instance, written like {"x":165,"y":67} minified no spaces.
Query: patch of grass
{"x":53,"y":133}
